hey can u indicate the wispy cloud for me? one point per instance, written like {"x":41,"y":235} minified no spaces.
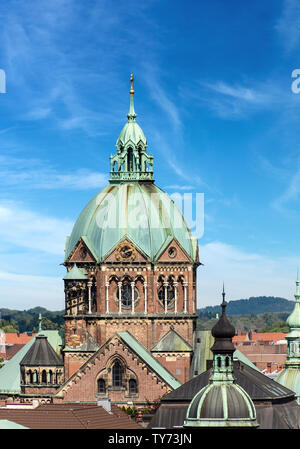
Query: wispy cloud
{"x":288,"y":25}
{"x":24,"y":228}
{"x":234,"y":101}
{"x":33,"y":174}
{"x":258,"y":274}
{"x":21,"y":291}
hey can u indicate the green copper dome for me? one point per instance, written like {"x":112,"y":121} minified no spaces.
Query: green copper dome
{"x":142,"y":212}
{"x":131,"y":206}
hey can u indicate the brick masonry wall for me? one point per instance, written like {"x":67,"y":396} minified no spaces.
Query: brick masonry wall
{"x":83,"y":386}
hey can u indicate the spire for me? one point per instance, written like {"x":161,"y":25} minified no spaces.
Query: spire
{"x":131,"y":115}
{"x":40,"y":322}
{"x":297,"y":294}
{"x":131,"y":162}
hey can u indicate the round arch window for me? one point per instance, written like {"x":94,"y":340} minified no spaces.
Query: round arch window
{"x":170,"y":294}
{"x":126,"y":295}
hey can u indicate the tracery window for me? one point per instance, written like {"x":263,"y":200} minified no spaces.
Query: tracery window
{"x":126,"y":294}
{"x":170,"y":293}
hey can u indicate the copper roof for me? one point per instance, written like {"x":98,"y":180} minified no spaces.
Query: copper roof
{"x":41,"y":353}
{"x":70,"y":416}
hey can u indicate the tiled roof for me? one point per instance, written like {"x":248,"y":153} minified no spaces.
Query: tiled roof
{"x":260,"y":336}
{"x":13,"y":338}
{"x":70,"y":416}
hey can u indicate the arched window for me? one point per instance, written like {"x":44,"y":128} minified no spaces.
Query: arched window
{"x":101,"y":386}
{"x":227,"y":362}
{"x":219,"y":362}
{"x":44,"y":377}
{"x":30,"y":376}
{"x":126,"y":294}
{"x":170,"y":294}
{"x":117,"y":375}
{"x":132,"y":386}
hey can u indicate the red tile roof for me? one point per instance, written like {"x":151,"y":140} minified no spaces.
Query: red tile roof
{"x":70,"y":416}
{"x":260,"y":336}
{"x":13,"y":338}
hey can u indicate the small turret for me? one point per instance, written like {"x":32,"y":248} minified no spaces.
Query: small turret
{"x":222,"y":403}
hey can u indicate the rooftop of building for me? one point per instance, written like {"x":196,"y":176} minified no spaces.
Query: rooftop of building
{"x":69,"y":416}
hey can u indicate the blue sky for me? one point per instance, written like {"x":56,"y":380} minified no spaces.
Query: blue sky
{"x":213,"y":97}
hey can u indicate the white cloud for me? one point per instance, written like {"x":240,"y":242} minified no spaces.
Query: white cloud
{"x":33,"y":174}
{"x":244,"y":274}
{"x":288,"y":25}
{"x":18,"y":291}
{"x":28,"y":229}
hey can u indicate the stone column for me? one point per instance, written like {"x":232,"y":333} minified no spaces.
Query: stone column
{"x":89,"y":284}
{"x":185,"y":284}
{"x":145,"y":292}
{"x":175,"y":294}
{"x":120,"y":296}
{"x":132,"y":296}
{"x":166,"y":296}
{"x":106,"y":296}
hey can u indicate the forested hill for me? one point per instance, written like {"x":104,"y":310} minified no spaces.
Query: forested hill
{"x":253,"y":305}
{"x":268,"y":309}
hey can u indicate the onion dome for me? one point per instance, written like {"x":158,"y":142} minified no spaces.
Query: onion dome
{"x":222,"y":403}
{"x":223,"y":331}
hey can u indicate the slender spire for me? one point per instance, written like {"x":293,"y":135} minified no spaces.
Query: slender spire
{"x":131,"y":115}
{"x":40,"y":322}
{"x":223,"y":305}
{"x":297,"y":294}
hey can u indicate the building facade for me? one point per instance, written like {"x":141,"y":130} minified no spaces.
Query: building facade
{"x":130,"y":287}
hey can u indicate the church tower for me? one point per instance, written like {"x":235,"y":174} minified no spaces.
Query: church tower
{"x":131,"y":265}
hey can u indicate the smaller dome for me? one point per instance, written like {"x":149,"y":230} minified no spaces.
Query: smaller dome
{"x":221,"y":405}
{"x":131,"y":132}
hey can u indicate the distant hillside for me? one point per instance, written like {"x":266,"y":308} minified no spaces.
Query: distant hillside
{"x":28,"y":320}
{"x":253,"y":305}
{"x":264,"y":313}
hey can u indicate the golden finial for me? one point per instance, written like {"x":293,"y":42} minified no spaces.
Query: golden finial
{"x":131,"y":82}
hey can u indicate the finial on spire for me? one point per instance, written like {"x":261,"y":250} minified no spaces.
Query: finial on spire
{"x":223,"y":302}
{"x":131,"y":83}
{"x":131,"y":115}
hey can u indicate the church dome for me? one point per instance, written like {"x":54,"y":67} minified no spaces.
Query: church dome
{"x":131,"y":206}
{"x":224,"y":405}
{"x":140,"y":211}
